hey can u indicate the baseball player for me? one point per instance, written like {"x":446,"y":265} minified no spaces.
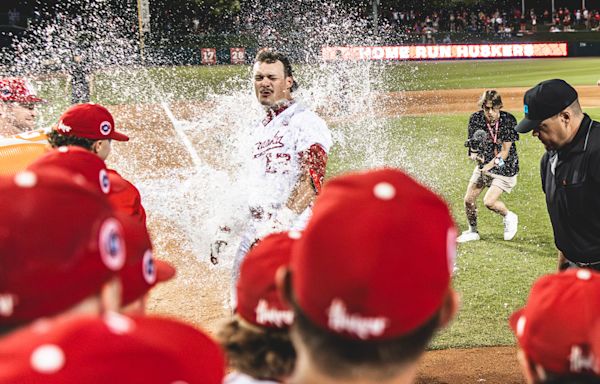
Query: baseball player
{"x":78,"y":273}
{"x":17,"y":106}
{"x":288,"y":160}
{"x":256,"y":340}
{"x":19,"y":143}
{"x":91,"y":126}
{"x":558,"y":330}
{"x":345,"y":279}
{"x":113,"y":348}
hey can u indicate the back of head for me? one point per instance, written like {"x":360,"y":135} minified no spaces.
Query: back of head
{"x":559,"y":328}
{"x":82,"y":124}
{"x":59,"y":243}
{"x":373,"y":236}
{"x":257,"y":341}
{"x":110,"y":349}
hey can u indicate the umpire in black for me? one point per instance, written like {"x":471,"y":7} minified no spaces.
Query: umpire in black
{"x":570,"y":170}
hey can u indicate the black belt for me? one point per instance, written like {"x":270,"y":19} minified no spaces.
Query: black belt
{"x":595,"y":265}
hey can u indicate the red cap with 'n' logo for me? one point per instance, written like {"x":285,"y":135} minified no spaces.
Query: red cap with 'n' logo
{"x":89,"y":120}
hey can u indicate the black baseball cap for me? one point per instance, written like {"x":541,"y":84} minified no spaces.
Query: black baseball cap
{"x":545,"y":100}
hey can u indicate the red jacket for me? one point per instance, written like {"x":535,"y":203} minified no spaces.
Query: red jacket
{"x":125,"y":197}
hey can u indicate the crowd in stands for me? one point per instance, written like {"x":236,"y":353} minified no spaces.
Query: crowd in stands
{"x":496,"y":21}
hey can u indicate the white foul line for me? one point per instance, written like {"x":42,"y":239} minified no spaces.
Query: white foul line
{"x":182,"y":136}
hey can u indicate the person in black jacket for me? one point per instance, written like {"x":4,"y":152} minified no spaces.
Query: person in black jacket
{"x":570,"y":170}
{"x":491,"y":143}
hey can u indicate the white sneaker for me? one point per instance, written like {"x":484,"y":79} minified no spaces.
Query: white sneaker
{"x":511,"y":225}
{"x":468,"y":235}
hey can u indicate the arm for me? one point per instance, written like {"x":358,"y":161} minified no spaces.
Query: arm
{"x":313,"y":164}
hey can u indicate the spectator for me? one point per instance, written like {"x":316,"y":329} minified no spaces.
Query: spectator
{"x":558,"y":330}
{"x":257,"y":341}
{"x":349,"y":325}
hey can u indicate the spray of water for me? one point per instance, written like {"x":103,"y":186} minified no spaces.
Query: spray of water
{"x":188,"y":161}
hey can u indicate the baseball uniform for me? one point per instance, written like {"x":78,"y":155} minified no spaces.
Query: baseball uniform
{"x":125,"y":197}
{"x":285,"y":144}
{"x":18,"y":151}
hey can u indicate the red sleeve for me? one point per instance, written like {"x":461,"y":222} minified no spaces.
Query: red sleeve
{"x":314,"y":160}
{"x":125,"y":197}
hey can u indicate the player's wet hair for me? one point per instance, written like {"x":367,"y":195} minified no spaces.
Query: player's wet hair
{"x":57,"y":140}
{"x":346,"y":359}
{"x":493,"y":96}
{"x":270,"y":57}
{"x":264,"y":354}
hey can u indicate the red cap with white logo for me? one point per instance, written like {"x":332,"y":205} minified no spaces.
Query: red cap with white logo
{"x":375,"y":259}
{"x":259,"y":302}
{"x":110,"y":349}
{"x":59,"y":243}
{"x":78,"y":161}
{"x":18,"y":90}
{"x":141,"y":271}
{"x":559,"y":327}
{"x":89,"y":120}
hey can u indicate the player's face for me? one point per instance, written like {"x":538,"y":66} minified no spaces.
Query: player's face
{"x":270,"y":83}
{"x":102,"y":148}
{"x":22,"y":115}
{"x":491,"y":113}
{"x":552,"y":132}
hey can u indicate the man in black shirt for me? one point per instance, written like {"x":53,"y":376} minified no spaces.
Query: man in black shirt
{"x":570,"y":170}
{"x":491,"y":142}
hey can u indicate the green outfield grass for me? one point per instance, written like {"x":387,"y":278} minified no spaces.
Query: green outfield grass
{"x":493,"y":276}
{"x":490,"y":74}
{"x":196,"y":83}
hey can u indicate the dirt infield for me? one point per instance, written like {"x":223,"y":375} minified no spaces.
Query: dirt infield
{"x":199,"y":292}
{"x":465,"y":100}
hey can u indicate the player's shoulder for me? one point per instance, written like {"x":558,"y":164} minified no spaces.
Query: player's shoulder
{"x":306,"y":115}
{"x":118,"y":183}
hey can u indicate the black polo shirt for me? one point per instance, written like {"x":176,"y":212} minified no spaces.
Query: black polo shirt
{"x":571,"y":182}
{"x":506,"y":133}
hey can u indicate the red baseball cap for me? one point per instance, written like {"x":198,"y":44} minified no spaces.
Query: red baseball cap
{"x":77,"y":161}
{"x":375,"y":259}
{"x":17,"y":89}
{"x":559,"y":327}
{"x":59,"y":243}
{"x":142,"y":271}
{"x":89,"y":120}
{"x":110,"y":349}
{"x":259,"y":301}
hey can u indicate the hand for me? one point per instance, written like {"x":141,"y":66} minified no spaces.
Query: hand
{"x":218,"y":246}
{"x":486,"y":168}
{"x":476,"y":157}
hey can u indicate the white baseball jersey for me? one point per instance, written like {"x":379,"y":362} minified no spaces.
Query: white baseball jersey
{"x":240,"y":378}
{"x":274,"y":168}
{"x":275,"y":162}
